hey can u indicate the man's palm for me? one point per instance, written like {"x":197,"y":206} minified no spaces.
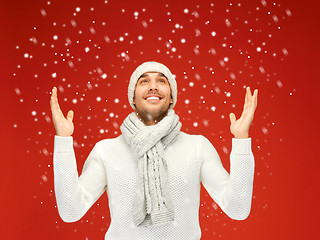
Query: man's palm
{"x":64,"y":126}
{"x":240,"y":127}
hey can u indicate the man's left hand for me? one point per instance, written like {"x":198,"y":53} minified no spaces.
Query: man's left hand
{"x":240,"y":128}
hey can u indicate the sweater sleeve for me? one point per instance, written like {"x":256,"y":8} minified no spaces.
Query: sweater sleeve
{"x":232,"y":192}
{"x":74,"y":194}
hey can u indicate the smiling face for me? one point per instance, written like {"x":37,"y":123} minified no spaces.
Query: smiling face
{"x":152,"y":97}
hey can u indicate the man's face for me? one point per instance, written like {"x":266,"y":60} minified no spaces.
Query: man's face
{"x":152,"y":95}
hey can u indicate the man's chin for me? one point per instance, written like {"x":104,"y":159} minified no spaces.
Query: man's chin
{"x":154,"y":112}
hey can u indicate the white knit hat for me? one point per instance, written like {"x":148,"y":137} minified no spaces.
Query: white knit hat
{"x":151,"y":67}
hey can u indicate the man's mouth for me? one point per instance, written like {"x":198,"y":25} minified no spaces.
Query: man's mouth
{"x":153,"y":98}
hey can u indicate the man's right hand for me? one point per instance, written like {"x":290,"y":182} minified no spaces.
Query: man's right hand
{"x":64,"y":126}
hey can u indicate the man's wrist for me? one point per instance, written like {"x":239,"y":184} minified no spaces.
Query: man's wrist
{"x":242,"y":136}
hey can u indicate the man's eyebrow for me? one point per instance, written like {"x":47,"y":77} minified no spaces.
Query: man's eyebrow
{"x":146,"y":75}
{"x":143,"y":75}
{"x":161,"y":75}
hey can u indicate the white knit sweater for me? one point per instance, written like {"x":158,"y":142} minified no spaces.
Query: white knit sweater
{"x":191,"y":159}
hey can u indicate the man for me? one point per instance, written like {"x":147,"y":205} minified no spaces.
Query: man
{"x":152,"y":171}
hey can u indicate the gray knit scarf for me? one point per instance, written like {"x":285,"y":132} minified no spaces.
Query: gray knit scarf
{"x":152,"y":202}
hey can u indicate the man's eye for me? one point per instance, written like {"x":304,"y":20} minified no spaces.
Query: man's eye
{"x":162,"y":80}
{"x":144,"y":80}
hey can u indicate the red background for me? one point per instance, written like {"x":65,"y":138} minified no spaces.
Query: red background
{"x":284,"y":131}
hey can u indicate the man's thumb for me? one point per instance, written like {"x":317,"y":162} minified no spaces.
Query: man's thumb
{"x":232,"y":118}
{"x":70,"y":115}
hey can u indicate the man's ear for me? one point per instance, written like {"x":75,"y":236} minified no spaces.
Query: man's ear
{"x":134,"y":96}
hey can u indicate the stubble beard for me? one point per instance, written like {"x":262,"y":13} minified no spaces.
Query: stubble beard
{"x":147,"y":117}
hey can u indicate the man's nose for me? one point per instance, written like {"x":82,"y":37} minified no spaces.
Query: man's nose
{"x":153,"y":85}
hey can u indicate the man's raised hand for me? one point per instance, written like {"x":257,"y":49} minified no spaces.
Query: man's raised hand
{"x":64,"y":126}
{"x":240,"y":128}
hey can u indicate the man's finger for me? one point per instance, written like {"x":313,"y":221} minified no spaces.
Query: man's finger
{"x":54,"y":95}
{"x":70,"y":115}
{"x":55,"y":108}
{"x":249,"y":93}
{"x":256,"y":98}
{"x":232,"y":117}
{"x":253,"y":99}
{"x":245,"y":101}
{"x":54,"y":99}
